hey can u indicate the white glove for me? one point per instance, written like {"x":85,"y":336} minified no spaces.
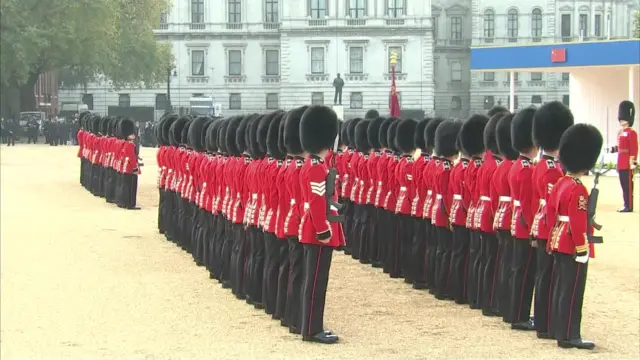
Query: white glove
{"x":583,"y":259}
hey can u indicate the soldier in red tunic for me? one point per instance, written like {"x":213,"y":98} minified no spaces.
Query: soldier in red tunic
{"x":196,"y":130}
{"x":383,"y":219}
{"x":389,"y":203}
{"x":346,"y":180}
{"x":569,"y":240}
{"x":359,"y":250}
{"x":523,"y":263}
{"x":376,"y":156}
{"x":319,"y":234}
{"x":549,"y":123}
{"x":130,"y":168}
{"x":627,"y":149}
{"x":418,"y":244}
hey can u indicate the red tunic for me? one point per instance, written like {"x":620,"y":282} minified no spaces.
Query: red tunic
{"x":627,"y":147}
{"x":130,"y":158}
{"x":294,"y":213}
{"x":501,"y":191}
{"x":354,"y":165}
{"x":314,"y":227}
{"x":272,"y":193}
{"x":284,"y":197}
{"x":471,"y":181}
{"x":381,"y":176}
{"x":461,"y":198}
{"x":428,"y":179}
{"x":418,"y":172}
{"x":404,"y":176}
{"x":372,"y":180}
{"x":568,"y":206}
{"x":390,"y":199}
{"x":347,"y":173}
{"x":545,"y":175}
{"x":80,"y":137}
{"x":363,"y":175}
{"x":251,"y":199}
{"x":443,"y":195}
{"x":486,"y":206}
{"x":524,"y":207}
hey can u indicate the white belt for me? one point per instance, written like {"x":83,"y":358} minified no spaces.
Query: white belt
{"x":403,"y":188}
{"x":380,"y":183}
{"x":439,"y":196}
{"x":429,"y":192}
{"x":563,"y":218}
{"x":457,"y":197}
{"x":254,"y":196}
{"x":361,"y":182}
{"x":516,"y":202}
{"x":293,"y":201}
{"x":505,"y":198}
{"x":306,"y":206}
{"x":543,"y":202}
{"x":333,"y":208}
{"x":485,"y":198}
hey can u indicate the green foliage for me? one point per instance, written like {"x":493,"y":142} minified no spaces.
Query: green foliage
{"x":82,"y":39}
{"x":636,"y":24}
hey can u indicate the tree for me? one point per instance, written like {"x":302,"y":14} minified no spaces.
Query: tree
{"x":81,"y":39}
{"x":636,"y":24}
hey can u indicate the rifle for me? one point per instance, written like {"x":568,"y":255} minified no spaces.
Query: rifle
{"x":331,"y":188}
{"x":593,"y":202}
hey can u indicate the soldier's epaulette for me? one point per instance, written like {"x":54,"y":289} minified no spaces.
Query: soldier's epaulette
{"x":270,"y":159}
{"x":378,"y":152}
{"x":247,"y":160}
{"x":350,"y":151}
{"x":526,"y":163}
{"x":315,"y":161}
{"x":366,"y":156}
{"x":498,"y":161}
{"x":477,"y":162}
{"x":279,"y":163}
{"x":446,"y":164}
{"x":465,"y":163}
{"x":551,"y":164}
{"x":299,"y":162}
{"x":396,"y":157}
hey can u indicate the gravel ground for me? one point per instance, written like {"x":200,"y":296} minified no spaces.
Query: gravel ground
{"x":81,"y":279}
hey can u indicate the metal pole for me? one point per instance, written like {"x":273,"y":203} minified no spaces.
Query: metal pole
{"x":512,"y":91}
{"x":169,"y":108}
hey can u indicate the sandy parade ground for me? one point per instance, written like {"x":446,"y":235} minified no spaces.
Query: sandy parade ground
{"x":82,"y":279}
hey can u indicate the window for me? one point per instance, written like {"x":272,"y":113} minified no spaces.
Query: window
{"x":489,"y":76}
{"x":565,"y":27}
{"x":512,"y":25}
{"x":161,"y":101}
{"x":597,"y":25}
{"x":272,"y":62}
{"x":515,"y":102}
{"x":317,"y":60}
{"x":87,"y":99}
{"x":271,"y":11}
{"x":536,"y":25}
{"x":456,"y":71}
{"x":235,"y":101}
{"x":565,"y":76}
{"x":456,"y":29}
{"x":536,"y":99}
{"x":235,"y":12}
{"x":488,"y":102}
{"x":515,"y":77}
{"x":565,"y":100}
{"x":356,"y":100}
{"x":197,"y":11}
{"x":584,"y":22}
{"x":357,"y":8}
{"x":435,"y":26}
{"x":398,"y":51}
{"x":456,"y":103}
{"x":235,"y":62}
{"x":395,"y":8}
{"x":489,"y":26}
{"x":124,"y":100}
{"x":317,"y":98}
{"x":164,"y":20}
{"x":356,"y":60}
{"x":197,"y":95}
{"x":273,"y":101}
{"x":318,"y":9}
{"x":197,"y":62}
{"x":536,"y":76}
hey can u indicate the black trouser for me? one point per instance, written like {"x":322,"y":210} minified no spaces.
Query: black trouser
{"x":459,"y":264}
{"x":196,"y":231}
{"x":283,"y":280}
{"x":348,"y":223}
{"x":317,"y":263}
{"x":374,"y":238}
{"x":523,"y":275}
{"x":626,"y":182}
{"x":406,"y":244}
{"x":430,"y":256}
{"x":216,"y":257}
{"x":227,"y":251}
{"x":475,"y":252}
{"x":505,"y":241}
{"x":248,"y":282}
{"x":294,"y":287}
{"x":385,"y":231}
{"x":418,"y":248}
{"x":11,"y":140}
{"x":256,"y":266}
{"x":337,"y":97}
{"x":238,"y":258}
{"x":356,"y":230}
{"x":543,"y":285}
{"x":394,"y":246}
{"x":129,"y":190}
{"x":170,"y":214}
{"x":273,"y":248}
{"x":568,"y":296}
{"x":31,"y":138}
{"x":161,"y":210}
{"x":366,"y":233}
{"x":490,"y":273}
{"x":443,"y":256}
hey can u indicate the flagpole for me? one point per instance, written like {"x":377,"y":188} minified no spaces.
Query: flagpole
{"x":394,"y":105}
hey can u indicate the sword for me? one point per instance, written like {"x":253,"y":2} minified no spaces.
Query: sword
{"x":593,"y":202}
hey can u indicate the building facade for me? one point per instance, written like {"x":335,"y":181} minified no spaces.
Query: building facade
{"x":253,"y":55}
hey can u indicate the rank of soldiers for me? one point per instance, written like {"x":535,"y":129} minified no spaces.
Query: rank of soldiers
{"x":108,"y":160}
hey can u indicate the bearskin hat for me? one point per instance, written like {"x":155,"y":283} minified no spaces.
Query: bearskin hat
{"x":127,"y":128}
{"x":496,"y":109}
{"x":382,"y":133}
{"x":489,"y":135}
{"x":157,"y":130}
{"x":373,"y":131}
{"x":405,"y":135}
{"x":361,"y":134}
{"x":251,"y":137}
{"x":166,"y":130}
{"x":372,"y":114}
{"x":203,"y":134}
{"x":471,"y":134}
{"x":230,"y":136}
{"x":273,"y":137}
{"x":503,"y":137}
{"x":351,"y":129}
{"x":318,"y":129}
{"x":419,"y":135}
{"x":194,"y":135}
{"x":213,"y":132}
{"x":430,"y":133}
{"x":626,"y":112}
{"x":241,"y":133}
{"x":95,"y":124}
{"x":222,"y":136}
{"x":263,"y":130}
{"x":446,"y":135}
{"x":391,"y":135}
{"x":580,"y":148}
{"x":549,"y":122}
{"x":104,"y":125}
{"x":281,"y":145}
{"x":521,"y":127}
{"x":184,"y":136}
{"x":344,"y":138}
{"x":292,"y":139}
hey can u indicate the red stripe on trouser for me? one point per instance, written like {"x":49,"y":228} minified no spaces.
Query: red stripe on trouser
{"x":524,"y":281}
{"x":313,"y":291}
{"x":630,"y":189}
{"x":573,"y":296}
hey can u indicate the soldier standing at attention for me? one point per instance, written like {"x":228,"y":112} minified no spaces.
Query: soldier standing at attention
{"x":627,"y":149}
{"x":567,"y":208}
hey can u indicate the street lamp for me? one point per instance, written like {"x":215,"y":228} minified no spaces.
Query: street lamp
{"x":171,"y":71}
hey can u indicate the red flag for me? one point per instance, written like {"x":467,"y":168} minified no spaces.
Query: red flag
{"x":394,"y":104}
{"x":558,"y":55}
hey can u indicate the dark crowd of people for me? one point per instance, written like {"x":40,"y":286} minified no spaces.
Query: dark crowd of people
{"x":108,"y":155}
{"x":56,"y":131}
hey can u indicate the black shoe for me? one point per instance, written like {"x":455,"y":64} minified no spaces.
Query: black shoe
{"x":490,"y":313}
{"x":523,"y":325}
{"x":578,"y":344}
{"x":347,"y":251}
{"x":544,"y":336}
{"x":365,"y":261}
{"x":258,"y":306}
{"x":419,"y":286}
{"x":474,"y":306}
{"x":294,"y":330}
{"x":461,"y":302}
{"x":133,"y":208}
{"x":625,"y":210}
{"x":324,"y":337}
{"x":225,"y":285}
{"x":377,"y":265}
{"x":408,"y":280}
{"x":283,"y":323}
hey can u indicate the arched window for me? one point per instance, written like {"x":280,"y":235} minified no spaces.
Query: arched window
{"x":512,"y":25}
{"x":536,"y":25}
{"x":489,"y":26}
